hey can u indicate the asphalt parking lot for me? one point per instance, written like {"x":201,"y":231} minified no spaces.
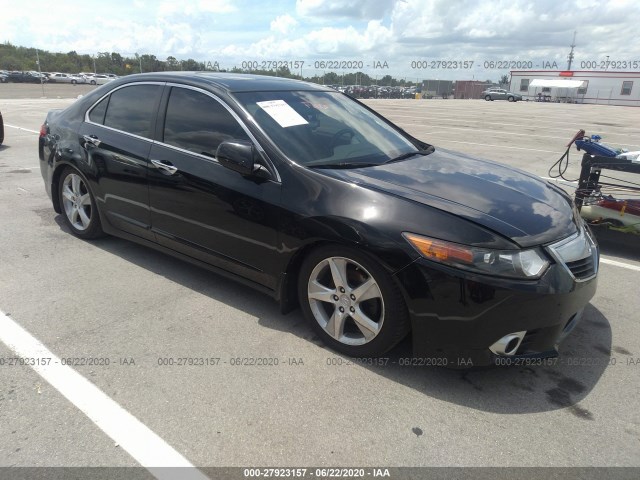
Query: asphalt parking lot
{"x":134,"y":308}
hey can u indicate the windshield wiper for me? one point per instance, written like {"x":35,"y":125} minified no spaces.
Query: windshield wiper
{"x":404,"y":156}
{"x":345,"y":165}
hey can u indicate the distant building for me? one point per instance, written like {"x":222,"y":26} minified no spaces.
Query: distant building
{"x":470,"y":88}
{"x":600,"y":87}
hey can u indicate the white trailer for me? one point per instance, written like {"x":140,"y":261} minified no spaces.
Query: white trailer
{"x":599,"y":87}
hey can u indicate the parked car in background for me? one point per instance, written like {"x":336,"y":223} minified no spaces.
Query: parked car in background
{"x":4,"y":77}
{"x":57,"y":77}
{"x":98,"y":79}
{"x":26,"y":77}
{"x":38,"y":75}
{"x":319,"y":201}
{"x":501,"y":94}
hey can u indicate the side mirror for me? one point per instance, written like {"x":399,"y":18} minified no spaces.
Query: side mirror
{"x":239,"y":156}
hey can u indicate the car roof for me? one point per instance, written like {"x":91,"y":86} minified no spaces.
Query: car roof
{"x":229,"y":82}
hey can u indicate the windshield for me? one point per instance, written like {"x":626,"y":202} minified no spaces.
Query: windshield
{"x":324,"y":128}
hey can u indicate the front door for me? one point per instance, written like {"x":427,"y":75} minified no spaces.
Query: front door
{"x":199,"y":207}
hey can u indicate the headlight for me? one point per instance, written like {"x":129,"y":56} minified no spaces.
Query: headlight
{"x":528,"y":264}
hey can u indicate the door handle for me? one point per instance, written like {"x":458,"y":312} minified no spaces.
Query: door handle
{"x":165,"y":166}
{"x":92,"y":139}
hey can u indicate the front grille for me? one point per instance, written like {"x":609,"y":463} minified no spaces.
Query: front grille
{"x":578,"y":253}
{"x":583,"y":268}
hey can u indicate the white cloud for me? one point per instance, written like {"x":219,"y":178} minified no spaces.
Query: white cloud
{"x":333,"y":43}
{"x":354,"y":9}
{"x":217,"y":6}
{"x":346,"y":41}
{"x":283,"y":24}
{"x":194,"y":8}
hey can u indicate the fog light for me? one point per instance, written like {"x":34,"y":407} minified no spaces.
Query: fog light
{"x":508,"y":345}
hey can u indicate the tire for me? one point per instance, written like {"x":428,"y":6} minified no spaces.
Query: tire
{"x":487,"y":97}
{"x":73,"y":82}
{"x":78,"y":205}
{"x":1,"y":129}
{"x":323,"y":292}
{"x":93,"y":82}
{"x":511,"y":99}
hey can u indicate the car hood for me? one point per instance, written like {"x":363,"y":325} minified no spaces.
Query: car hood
{"x":513,"y":203}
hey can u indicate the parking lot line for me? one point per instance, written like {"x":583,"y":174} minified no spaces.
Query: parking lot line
{"x":497,"y":146}
{"x":483,"y":121}
{"x":147,"y":448}
{"x":615,"y":263}
{"x":21,"y":128}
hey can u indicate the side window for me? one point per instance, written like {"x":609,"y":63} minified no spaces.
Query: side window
{"x":131,"y":109}
{"x":198,"y":123}
{"x":524,"y":84}
{"x":626,"y":88}
{"x":96,"y":115}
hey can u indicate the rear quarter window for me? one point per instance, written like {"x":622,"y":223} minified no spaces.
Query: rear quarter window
{"x":96,"y":115}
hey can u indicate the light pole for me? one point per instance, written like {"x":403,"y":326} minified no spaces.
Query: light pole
{"x":40,"y":71}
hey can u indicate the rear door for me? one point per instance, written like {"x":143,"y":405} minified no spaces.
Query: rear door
{"x":116,"y":138}
{"x":199,"y":207}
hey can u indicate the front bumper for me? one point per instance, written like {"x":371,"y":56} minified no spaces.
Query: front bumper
{"x":457,"y":317}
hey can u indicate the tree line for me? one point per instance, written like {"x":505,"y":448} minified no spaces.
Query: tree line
{"x":25,"y":59}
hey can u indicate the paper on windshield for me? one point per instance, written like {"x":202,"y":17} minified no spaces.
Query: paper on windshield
{"x":282,"y":113}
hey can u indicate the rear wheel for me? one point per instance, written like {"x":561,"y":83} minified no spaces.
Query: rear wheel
{"x":78,"y":205}
{"x":352,"y":302}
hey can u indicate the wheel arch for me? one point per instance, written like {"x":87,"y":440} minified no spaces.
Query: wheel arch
{"x":55,"y":182}
{"x":287,"y":290}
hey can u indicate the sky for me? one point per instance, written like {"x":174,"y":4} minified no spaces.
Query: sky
{"x":402,"y":38}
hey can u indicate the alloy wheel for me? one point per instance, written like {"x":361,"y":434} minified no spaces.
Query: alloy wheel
{"x":346,"y":301}
{"x":76,"y":201}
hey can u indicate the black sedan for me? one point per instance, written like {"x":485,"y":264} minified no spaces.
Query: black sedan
{"x":312,"y":197}
{"x":26,"y":77}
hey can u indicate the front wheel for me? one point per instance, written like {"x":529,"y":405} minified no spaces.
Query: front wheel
{"x":487,"y":97}
{"x":78,"y":205}
{"x":352,"y":302}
